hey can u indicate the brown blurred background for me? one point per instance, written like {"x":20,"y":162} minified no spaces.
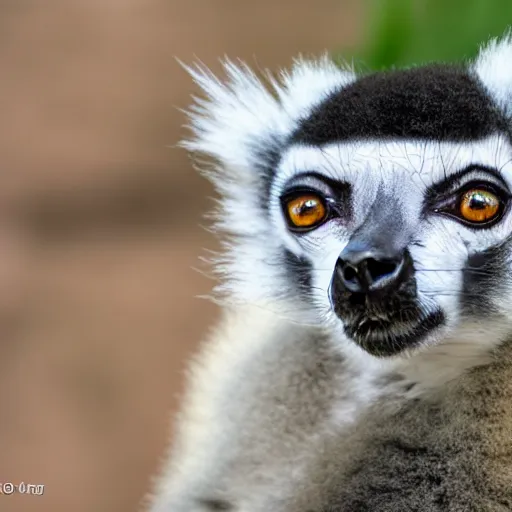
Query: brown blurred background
{"x":99,"y":227}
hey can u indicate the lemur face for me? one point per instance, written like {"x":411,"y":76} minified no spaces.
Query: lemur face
{"x":402,"y":241}
{"x":382,"y":203}
{"x":392,"y":190}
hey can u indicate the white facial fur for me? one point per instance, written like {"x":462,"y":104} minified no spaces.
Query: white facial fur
{"x":403,"y":170}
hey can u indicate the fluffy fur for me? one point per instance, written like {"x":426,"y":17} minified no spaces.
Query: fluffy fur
{"x":288,"y":408}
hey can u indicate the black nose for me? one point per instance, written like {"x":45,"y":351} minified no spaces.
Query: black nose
{"x":368,"y":271}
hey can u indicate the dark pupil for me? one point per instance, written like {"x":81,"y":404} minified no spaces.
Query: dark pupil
{"x":478,"y":202}
{"x":307,"y":207}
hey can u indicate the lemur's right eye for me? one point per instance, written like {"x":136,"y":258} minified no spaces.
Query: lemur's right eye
{"x":304,"y":211}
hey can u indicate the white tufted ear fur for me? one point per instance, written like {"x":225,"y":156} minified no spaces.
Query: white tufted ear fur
{"x":494,"y":68}
{"x":244,"y":116}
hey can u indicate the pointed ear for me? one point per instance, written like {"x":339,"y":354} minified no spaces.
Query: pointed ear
{"x":493,"y":66}
{"x":246,"y":117}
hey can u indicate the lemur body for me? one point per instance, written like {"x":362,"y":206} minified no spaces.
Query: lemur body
{"x":365,"y":356}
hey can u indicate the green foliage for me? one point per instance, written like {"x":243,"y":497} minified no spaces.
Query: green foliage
{"x":409,"y":32}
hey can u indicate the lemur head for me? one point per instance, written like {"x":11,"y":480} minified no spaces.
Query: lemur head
{"x":377,"y":205}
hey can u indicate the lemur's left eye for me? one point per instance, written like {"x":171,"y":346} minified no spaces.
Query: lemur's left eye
{"x":305,"y":210}
{"x":479,"y":206}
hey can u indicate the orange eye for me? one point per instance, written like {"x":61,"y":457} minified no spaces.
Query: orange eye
{"x":306,"y":211}
{"x":479,"y":206}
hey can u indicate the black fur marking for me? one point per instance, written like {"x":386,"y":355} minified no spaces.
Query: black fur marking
{"x":299,"y":272}
{"x":216,"y":504}
{"x":435,"y":102}
{"x":483,"y":278}
{"x":267,"y":161}
{"x":386,"y":342}
{"x":410,"y":386}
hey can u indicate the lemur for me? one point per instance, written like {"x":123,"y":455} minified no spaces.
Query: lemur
{"x":364,"y":357}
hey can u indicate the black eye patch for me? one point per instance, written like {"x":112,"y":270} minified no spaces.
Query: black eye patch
{"x":484,"y":278}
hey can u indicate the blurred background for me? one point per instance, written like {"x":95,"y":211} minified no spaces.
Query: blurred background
{"x":99,"y":216}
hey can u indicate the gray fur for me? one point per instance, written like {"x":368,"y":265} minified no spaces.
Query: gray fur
{"x":273,"y":417}
{"x":451,"y":451}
